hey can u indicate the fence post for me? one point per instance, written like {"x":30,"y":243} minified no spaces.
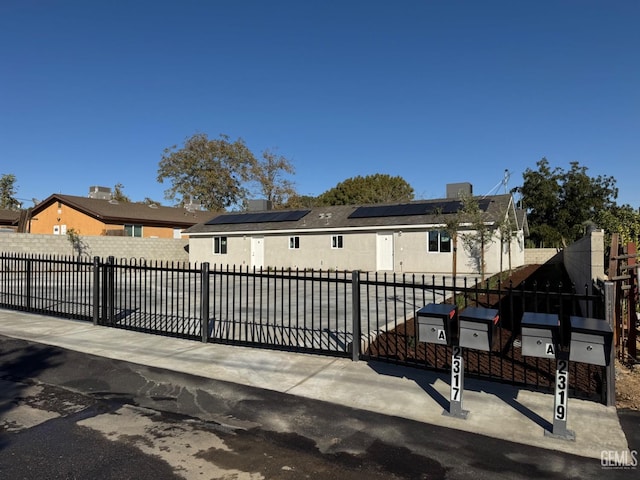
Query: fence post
{"x":96,"y":290}
{"x":204,"y":301}
{"x":29,"y":273}
{"x":108,"y":292}
{"x":355,"y":315}
{"x":610,"y":316}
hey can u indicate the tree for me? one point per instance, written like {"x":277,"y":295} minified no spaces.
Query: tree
{"x":451,"y":224}
{"x":8,"y":192}
{"x":624,"y":220}
{"x":213,"y":172}
{"x":378,"y":188}
{"x":268,"y":173}
{"x":560,"y":203}
{"x":119,"y":195}
{"x":301,"y":201}
{"x":478,"y":234}
{"x":150,"y":201}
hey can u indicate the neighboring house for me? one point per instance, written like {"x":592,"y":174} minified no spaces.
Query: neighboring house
{"x":9,"y":220}
{"x":101,"y":216}
{"x":400,"y":238}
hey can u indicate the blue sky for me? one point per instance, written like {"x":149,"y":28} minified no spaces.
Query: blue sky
{"x":437,"y":92}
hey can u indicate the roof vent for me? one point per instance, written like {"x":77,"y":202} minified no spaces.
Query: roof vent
{"x":101,"y":193}
{"x":113,"y":201}
{"x":153,"y":205}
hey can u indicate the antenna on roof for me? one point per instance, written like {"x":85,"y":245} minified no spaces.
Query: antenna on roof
{"x":504,"y":181}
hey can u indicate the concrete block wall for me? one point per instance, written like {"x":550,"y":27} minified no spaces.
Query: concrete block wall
{"x":584,"y":259}
{"x":165,"y":249}
{"x":540,"y":256}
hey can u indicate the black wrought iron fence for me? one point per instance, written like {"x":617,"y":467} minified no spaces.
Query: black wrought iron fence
{"x":308,"y":310}
{"x":393,"y":338}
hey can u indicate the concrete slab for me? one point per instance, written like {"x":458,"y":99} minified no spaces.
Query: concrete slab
{"x":496,"y":410}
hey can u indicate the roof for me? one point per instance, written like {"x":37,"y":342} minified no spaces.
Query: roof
{"x":110,"y":211}
{"x":9,"y":217}
{"x":407,"y":215}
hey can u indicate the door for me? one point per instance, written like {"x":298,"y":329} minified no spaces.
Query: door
{"x":384,"y":251}
{"x":257,"y":252}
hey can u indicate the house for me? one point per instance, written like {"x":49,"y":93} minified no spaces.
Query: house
{"x":102,"y":215}
{"x":9,"y":220}
{"x":408,"y":237}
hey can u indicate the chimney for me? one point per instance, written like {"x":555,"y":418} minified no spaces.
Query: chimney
{"x":456,"y":190}
{"x":259,"y":205}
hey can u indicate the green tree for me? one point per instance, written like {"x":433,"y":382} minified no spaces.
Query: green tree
{"x":478,"y":234}
{"x":118,"y":194}
{"x":451,"y":223}
{"x":624,"y":220}
{"x":150,"y":201}
{"x":8,"y":192}
{"x":269,"y":175}
{"x":213,"y":172}
{"x":301,"y":201}
{"x":378,"y":188}
{"x":559,"y":203}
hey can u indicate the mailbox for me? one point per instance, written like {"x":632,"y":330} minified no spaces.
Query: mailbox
{"x":590,"y":341}
{"x":477,"y":328}
{"x":540,"y":334}
{"x":435,"y":323}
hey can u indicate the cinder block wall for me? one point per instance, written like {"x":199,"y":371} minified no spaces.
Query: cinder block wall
{"x":584,"y":259}
{"x":166,"y":249}
{"x":540,"y":256}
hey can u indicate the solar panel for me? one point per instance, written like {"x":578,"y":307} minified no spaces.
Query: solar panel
{"x":408,"y":209}
{"x":258,"y":217}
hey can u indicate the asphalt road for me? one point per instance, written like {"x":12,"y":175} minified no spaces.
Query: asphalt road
{"x":68,"y":415}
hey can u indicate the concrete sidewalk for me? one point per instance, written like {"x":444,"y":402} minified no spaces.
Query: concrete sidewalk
{"x":496,"y":410}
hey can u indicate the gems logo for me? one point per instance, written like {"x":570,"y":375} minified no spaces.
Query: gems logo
{"x":614,"y":459}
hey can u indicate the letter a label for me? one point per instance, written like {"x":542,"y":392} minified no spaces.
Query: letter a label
{"x":441,"y":335}
{"x":550,"y":350}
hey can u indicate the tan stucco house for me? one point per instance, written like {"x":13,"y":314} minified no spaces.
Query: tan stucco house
{"x":103,"y":216}
{"x":407,"y":237}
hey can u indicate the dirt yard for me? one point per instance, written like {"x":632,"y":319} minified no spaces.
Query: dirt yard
{"x":509,"y":362}
{"x":628,"y":386}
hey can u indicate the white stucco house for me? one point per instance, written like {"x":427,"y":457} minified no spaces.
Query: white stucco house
{"x":407,"y":238}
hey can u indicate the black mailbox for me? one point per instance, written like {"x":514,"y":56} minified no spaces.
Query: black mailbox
{"x":540,"y":334}
{"x":477,"y":328}
{"x":435,"y":323}
{"x":591,"y":341}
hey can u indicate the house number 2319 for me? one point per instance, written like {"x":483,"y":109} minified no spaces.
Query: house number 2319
{"x":561,"y":390}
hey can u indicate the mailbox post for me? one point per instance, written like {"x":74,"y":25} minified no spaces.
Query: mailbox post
{"x":476,"y":330}
{"x":561,"y":400}
{"x":541,"y":339}
{"x":436,"y":324}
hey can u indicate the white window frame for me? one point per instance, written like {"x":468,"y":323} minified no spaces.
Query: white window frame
{"x":294,"y":242}
{"x":337,"y":241}
{"x":220,"y":245}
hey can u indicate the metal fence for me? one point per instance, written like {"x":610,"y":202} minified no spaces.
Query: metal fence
{"x":311,"y":311}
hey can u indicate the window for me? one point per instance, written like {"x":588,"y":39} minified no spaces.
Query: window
{"x":219,"y":245}
{"x":336,"y":241}
{"x":133,"y":230}
{"x":439,"y":241}
{"x":294,"y":242}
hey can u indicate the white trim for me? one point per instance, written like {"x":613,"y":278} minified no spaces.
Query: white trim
{"x":327,"y":230}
